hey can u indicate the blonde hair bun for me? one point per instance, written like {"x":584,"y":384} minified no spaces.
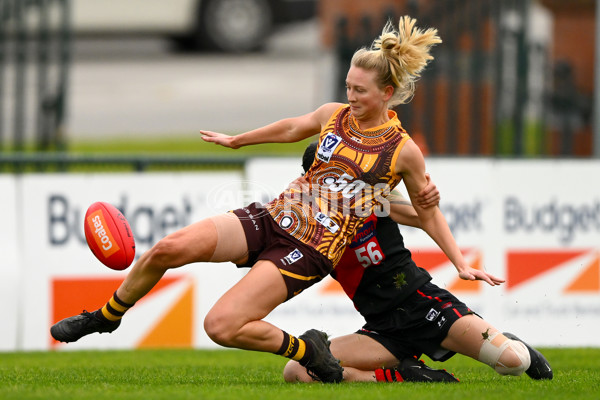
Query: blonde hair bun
{"x":399,"y":57}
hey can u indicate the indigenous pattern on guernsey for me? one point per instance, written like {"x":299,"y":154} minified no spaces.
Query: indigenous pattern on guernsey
{"x":351,"y":175}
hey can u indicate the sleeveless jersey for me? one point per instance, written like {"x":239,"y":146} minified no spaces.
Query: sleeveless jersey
{"x":376,"y":270}
{"x":351,"y":174}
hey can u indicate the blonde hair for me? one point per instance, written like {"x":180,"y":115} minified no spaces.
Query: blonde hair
{"x":398,"y":57}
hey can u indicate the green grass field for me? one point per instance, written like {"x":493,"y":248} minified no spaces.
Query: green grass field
{"x":243,"y":375}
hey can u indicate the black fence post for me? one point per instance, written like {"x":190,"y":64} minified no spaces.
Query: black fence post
{"x":451,"y":40}
{"x":65,"y":38}
{"x":4,"y":16}
{"x":406,"y":111}
{"x":20,"y":74}
{"x":522,"y":68}
{"x":43,"y":43}
{"x":34,"y":112}
{"x":344,"y":53}
{"x":476,"y":67}
{"x":428,"y":84}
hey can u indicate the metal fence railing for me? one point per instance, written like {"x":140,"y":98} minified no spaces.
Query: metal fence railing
{"x":35,"y":47}
{"x":65,"y":162}
{"x":493,"y":89}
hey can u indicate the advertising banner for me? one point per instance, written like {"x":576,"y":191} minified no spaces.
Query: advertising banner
{"x":9,"y":264}
{"x":468,"y":204}
{"x":62,"y":277}
{"x":550,"y":236}
{"x":534,"y":223}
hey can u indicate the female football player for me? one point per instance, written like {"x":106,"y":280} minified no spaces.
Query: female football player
{"x":293,"y":241}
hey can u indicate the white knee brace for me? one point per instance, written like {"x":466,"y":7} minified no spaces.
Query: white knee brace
{"x":493,"y":349}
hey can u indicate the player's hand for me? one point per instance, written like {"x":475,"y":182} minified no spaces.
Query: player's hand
{"x":430,"y":195}
{"x":472,"y":274}
{"x":218,"y":138}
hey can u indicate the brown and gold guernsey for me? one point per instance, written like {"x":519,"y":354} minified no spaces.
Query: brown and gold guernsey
{"x":351,"y":174}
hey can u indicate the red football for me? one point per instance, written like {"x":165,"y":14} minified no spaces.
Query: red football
{"x":109,"y":235}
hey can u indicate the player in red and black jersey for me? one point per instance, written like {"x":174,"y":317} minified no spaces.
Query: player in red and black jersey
{"x":407,"y":315}
{"x":368,"y":278}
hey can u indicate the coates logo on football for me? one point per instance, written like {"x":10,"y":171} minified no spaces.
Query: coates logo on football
{"x":104,"y":240}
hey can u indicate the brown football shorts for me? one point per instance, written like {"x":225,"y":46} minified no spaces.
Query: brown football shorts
{"x":300,"y":265}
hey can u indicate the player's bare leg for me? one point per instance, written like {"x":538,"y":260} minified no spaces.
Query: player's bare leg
{"x":476,"y":338}
{"x":194,"y":243}
{"x":372,"y":354}
{"x":366,"y":360}
{"x":359,"y":366}
{"x":236,"y":318}
{"x":236,"y":321}
{"x":202,"y":241}
{"x":540,"y":367}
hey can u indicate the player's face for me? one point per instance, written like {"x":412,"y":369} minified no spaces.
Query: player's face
{"x":366,"y":99}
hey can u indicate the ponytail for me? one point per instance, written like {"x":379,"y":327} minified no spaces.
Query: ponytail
{"x":399,"y":57}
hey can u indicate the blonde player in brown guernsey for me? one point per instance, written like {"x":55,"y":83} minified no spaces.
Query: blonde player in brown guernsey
{"x":352,"y":174}
{"x":295,"y":242}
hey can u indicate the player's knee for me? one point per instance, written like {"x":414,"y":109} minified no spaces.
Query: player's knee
{"x":514,"y":359}
{"x":165,"y":254}
{"x":220,"y":329}
{"x":160,"y":254}
{"x":506,"y":356}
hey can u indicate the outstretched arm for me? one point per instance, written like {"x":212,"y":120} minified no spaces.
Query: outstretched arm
{"x":283,"y":131}
{"x":411,"y":165}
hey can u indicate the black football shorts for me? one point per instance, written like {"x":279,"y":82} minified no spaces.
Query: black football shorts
{"x":419,"y":324}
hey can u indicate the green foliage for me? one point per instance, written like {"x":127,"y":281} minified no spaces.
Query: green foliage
{"x":236,"y":374}
{"x":400,"y":280}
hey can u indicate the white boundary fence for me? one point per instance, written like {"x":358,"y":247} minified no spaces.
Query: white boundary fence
{"x":535,"y":223}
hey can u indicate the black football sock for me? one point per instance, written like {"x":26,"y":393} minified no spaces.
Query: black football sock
{"x":293,"y":348}
{"x":114,"y":309}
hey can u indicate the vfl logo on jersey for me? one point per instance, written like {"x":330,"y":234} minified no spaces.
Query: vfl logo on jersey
{"x":326,"y":222}
{"x":328,"y":145}
{"x":432,"y":315}
{"x":293,"y":257}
